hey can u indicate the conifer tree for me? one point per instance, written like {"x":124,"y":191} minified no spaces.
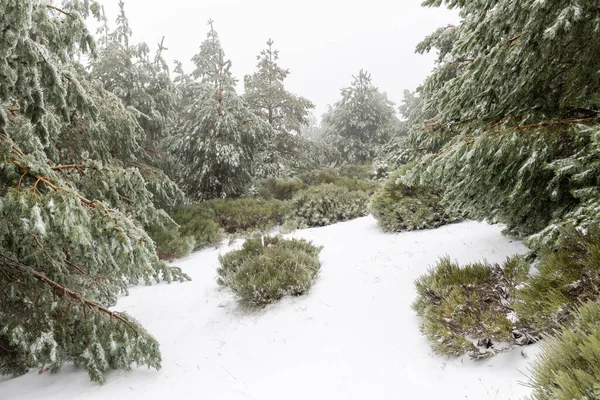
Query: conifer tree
{"x":218,"y":135}
{"x":361,"y":121}
{"x":514,"y":112}
{"x":266,"y":95}
{"x":68,"y":243}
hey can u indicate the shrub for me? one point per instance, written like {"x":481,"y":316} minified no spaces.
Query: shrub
{"x":240,"y":215}
{"x":268,"y":268}
{"x":569,"y":364}
{"x":198,"y":221}
{"x":280,"y":188}
{"x":399,"y":207}
{"x":354,"y":171}
{"x":319,"y":176}
{"x":467,"y":309}
{"x":567,"y":275}
{"x":171,"y":241}
{"x":327,"y":204}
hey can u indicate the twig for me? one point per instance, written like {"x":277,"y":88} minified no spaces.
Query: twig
{"x":59,"y":10}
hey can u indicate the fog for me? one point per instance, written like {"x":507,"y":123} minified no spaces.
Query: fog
{"x":323,"y":43}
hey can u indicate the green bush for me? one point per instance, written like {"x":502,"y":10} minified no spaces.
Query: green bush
{"x":467,"y":309}
{"x":268,"y":268}
{"x":198,"y":221}
{"x":354,"y":171}
{"x":327,"y":204}
{"x":241,"y":215}
{"x":569,"y":364}
{"x":568,"y":275}
{"x":319,"y":176}
{"x":399,"y":207}
{"x":171,"y":241}
{"x":280,"y":188}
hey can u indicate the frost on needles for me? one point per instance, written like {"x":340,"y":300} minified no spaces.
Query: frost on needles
{"x":74,"y":201}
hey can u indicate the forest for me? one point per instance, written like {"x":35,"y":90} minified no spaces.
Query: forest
{"x":116,"y":163}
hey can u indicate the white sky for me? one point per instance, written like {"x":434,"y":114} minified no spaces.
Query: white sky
{"x":322,"y":42}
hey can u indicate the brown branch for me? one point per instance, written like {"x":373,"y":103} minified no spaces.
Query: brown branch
{"x":64,"y":291}
{"x":37,"y":240}
{"x":511,"y":42}
{"x":558,"y":123}
{"x":59,"y":10}
{"x":81,"y":270}
{"x":68,"y":166}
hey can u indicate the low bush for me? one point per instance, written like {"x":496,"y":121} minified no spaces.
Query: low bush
{"x":467,"y":309}
{"x":319,"y":176}
{"x":199,"y":222}
{"x":171,"y":241}
{"x":280,"y":188}
{"x":241,"y":215}
{"x":567,"y":275}
{"x":569,"y":365}
{"x":399,"y":207}
{"x":358,"y":172}
{"x":268,"y":268}
{"x":326,"y":204}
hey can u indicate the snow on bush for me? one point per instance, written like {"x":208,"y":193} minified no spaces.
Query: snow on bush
{"x":399,"y":207}
{"x":569,"y":365}
{"x":567,"y":275}
{"x":468,"y":309}
{"x":268,"y":268}
{"x":327,"y":204}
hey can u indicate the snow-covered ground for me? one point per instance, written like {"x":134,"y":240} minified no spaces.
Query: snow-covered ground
{"x":354,"y":336}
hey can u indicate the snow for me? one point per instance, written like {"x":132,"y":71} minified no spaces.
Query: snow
{"x":354,"y":336}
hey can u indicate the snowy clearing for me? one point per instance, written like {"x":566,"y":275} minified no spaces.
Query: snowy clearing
{"x":354,"y":336}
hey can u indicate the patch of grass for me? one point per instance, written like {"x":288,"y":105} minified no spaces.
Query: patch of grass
{"x":466,"y":309}
{"x":327,"y":204}
{"x":269,"y":268}
{"x":399,"y":207}
{"x":569,"y":364}
{"x":567,"y":275}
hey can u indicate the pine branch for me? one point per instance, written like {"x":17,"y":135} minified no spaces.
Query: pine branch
{"x":557,"y":123}
{"x":64,"y":291}
{"x":51,"y":7}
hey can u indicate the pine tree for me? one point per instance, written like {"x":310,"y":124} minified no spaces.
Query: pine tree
{"x":361,"y":121}
{"x":68,"y":243}
{"x":218,"y":135}
{"x":266,"y":95}
{"x":513,"y":100}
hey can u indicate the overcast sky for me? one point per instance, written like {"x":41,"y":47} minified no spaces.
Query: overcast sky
{"x":322,"y":42}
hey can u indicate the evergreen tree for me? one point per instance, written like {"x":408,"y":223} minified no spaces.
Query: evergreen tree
{"x":69,"y":239}
{"x":513,"y":99}
{"x":361,"y":121}
{"x":218,"y":135}
{"x":266,"y":95}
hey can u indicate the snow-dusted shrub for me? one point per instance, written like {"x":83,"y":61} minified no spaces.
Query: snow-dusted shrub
{"x":240,"y":215}
{"x":399,"y":207}
{"x":199,"y":222}
{"x":280,"y":188}
{"x":170,"y":241}
{"x":569,"y":365}
{"x":327,"y":204}
{"x":268,"y":268}
{"x":321,"y":176}
{"x":467,"y":309}
{"x":566,"y":275}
